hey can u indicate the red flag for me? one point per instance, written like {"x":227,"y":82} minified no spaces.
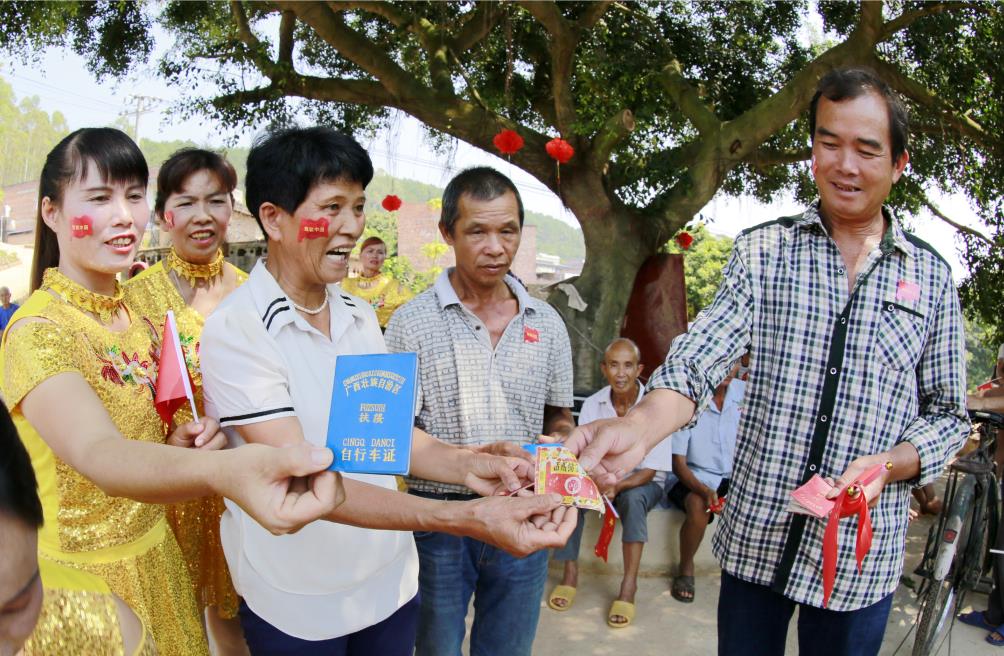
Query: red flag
{"x":313,"y":229}
{"x":607,"y":532}
{"x":173,"y":383}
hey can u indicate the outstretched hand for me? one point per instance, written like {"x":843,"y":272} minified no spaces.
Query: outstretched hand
{"x":607,"y":449}
{"x":283,"y":489}
{"x":522,"y":525}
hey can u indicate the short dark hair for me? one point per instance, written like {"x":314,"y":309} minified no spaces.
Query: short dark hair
{"x":480,"y":183}
{"x":18,"y":487}
{"x":284,"y":165}
{"x":186,"y":162}
{"x":849,"y":83}
{"x":118,"y":159}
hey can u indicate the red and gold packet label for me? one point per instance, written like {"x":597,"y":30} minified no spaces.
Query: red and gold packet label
{"x":558,"y":471}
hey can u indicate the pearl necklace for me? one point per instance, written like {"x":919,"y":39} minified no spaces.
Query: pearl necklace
{"x":312,"y":311}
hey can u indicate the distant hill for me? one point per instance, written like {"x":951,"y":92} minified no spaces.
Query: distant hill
{"x":553,"y":236}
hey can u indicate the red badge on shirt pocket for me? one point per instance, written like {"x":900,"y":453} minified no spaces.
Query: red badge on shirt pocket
{"x":530,"y":335}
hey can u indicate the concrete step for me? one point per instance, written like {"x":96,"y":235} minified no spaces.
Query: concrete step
{"x":661,"y":556}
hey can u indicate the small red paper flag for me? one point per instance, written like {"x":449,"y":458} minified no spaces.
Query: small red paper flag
{"x":606,"y":533}
{"x":391,"y":203}
{"x":173,"y":383}
{"x":508,"y":142}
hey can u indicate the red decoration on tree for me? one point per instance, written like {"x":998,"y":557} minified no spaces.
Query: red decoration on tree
{"x":508,"y":142}
{"x":391,"y":203}
{"x":559,"y":150}
{"x":684,"y":239}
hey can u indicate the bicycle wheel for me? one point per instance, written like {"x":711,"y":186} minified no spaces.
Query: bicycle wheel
{"x":951,"y":568}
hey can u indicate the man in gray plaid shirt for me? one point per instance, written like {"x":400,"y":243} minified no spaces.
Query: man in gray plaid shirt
{"x":857,"y":360}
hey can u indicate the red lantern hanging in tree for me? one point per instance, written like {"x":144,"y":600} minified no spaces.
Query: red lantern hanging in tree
{"x":559,"y":150}
{"x":508,"y":142}
{"x":684,"y":239}
{"x":391,"y":203}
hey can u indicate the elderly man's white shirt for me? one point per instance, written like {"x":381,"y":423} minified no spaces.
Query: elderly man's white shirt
{"x":261,"y":360}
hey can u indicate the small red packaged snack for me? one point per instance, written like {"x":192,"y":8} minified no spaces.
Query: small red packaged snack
{"x":558,"y":471}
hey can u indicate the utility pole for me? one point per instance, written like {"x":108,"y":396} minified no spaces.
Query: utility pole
{"x":143,"y":105}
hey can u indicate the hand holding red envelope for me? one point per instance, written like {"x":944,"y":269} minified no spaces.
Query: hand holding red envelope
{"x":811,"y":499}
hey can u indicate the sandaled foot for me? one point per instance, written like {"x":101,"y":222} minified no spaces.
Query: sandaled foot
{"x":621,"y":614}
{"x":996,"y":637}
{"x":562,"y":598}
{"x":683,"y":589}
{"x":976,"y":618}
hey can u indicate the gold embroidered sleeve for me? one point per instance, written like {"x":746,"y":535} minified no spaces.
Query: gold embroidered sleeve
{"x":34,"y":351}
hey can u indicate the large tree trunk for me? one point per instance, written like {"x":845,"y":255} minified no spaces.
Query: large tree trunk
{"x":616,"y":247}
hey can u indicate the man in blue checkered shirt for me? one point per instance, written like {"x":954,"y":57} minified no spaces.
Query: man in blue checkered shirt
{"x":857,"y":360}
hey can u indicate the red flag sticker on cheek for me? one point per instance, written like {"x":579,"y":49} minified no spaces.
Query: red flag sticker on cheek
{"x":313,"y":229}
{"x":169,"y":219}
{"x":81,"y":226}
{"x":531,"y":335}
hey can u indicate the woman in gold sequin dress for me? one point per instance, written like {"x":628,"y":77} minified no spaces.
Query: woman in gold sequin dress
{"x":194,"y":203}
{"x":78,"y":369}
{"x":378,"y":289}
{"x":44,"y":607}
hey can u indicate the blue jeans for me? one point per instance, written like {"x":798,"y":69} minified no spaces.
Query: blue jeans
{"x":395,"y":636}
{"x":753,"y":621}
{"x":507,"y":593}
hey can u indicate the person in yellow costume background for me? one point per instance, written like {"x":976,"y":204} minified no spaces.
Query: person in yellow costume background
{"x":194,"y":204}
{"x":78,"y":370}
{"x":46,"y":608}
{"x":378,"y":289}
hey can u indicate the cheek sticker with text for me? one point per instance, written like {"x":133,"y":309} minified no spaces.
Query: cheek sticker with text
{"x":169,"y":219}
{"x":313,"y":229}
{"x":81,"y":226}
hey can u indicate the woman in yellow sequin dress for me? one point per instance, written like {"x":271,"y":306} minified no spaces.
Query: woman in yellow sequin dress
{"x":194,"y":203}
{"x":78,"y":369}
{"x":378,"y":289}
{"x":44,"y":607}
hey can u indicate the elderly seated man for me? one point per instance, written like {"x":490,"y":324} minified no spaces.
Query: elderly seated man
{"x":634,"y":496}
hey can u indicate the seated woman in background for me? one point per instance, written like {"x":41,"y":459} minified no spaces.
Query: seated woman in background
{"x":78,"y":370}
{"x":74,"y":612}
{"x":194,"y":203}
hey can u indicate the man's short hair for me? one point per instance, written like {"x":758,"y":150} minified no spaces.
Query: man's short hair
{"x":284,"y":165}
{"x":4,"y":290}
{"x":480,"y":183}
{"x":849,"y":83}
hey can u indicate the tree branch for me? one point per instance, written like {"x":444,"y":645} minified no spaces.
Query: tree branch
{"x":764,"y":158}
{"x":477,"y":26}
{"x":958,"y":226}
{"x":613,"y":132}
{"x":908,"y":18}
{"x":286,"y":27}
{"x":593,"y":13}
{"x":562,"y":50}
{"x":942,"y":110}
{"x":330,"y":27}
{"x":256,"y":50}
{"x":688,"y":100}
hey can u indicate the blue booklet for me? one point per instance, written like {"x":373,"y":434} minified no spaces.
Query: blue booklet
{"x":373,"y":412}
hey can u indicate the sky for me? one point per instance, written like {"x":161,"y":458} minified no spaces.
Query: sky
{"x":62,"y":82}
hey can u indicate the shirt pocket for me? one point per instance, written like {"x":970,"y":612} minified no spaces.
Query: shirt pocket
{"x":900,"y":337}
